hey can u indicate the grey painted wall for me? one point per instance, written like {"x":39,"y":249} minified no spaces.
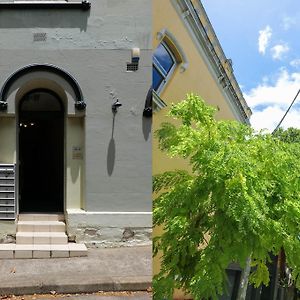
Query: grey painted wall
{"x":94,"y":46}
{"x":110,"y":24}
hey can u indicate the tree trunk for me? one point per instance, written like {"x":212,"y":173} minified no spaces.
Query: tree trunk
{"x":244,"y":280}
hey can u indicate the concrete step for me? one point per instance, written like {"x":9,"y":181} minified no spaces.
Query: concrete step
{"x":41,"y":217}
{"x":41,"y":226}
{"x":37,"y":238}
{"x":10,"y":251}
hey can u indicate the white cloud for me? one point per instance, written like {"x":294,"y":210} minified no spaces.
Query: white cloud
{"x":265,"y":79}
{"x":270,"y":117}
{"x":295,"y":63}
{"x":279,"y":50}
{"x":264,"y":39}
{"x":270,"y":101}
{"x":288,"y":22}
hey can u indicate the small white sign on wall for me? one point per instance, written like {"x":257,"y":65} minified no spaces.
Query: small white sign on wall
{"x":77,"y":152}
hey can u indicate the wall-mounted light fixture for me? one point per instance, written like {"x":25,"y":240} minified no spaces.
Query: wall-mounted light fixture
{"x":27,"y":125}
{"x":3,"y":106}
{"x":115,"y":106}
{"x":135,"y":55}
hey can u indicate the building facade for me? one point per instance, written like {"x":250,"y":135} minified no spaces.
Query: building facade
{"x":74,"y":78}
{"x":189,"y":58}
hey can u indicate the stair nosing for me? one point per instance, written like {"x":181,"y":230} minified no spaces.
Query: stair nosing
{"x":50,"y":222}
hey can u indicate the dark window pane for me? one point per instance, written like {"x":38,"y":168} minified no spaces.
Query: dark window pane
{"x":156,"y":79}
{"x":164,"y":58}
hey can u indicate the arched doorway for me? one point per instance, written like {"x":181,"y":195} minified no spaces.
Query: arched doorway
{"x":41,"y":152}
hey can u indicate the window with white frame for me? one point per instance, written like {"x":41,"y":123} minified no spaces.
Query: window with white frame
{"x":164,"y":63}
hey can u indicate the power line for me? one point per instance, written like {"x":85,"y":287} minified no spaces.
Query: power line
{"x":286,"y":113}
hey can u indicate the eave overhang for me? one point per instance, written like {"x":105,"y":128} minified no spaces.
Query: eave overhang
{"x":216,"y":61}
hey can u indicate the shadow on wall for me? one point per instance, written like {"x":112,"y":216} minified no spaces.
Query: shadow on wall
{"x":147,"y":115}
{"x":111,"y":151}
{"x":146,"y":124}
{"x":44,"y":19}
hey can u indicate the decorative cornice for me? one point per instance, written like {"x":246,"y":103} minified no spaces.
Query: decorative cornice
{"x":217,"y":59}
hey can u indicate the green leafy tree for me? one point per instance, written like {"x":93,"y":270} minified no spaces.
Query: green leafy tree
{"x":240,"y":200}
{"x":291,"y":135}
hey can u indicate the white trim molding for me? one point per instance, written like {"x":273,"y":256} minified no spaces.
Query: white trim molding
{"x":199,"y":27}
{"x":158,"y":103}
{"x":165,"y":33}
{"x":109,"y":218}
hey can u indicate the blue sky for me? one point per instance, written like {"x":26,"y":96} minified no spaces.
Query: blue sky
{"x":263,"y":40}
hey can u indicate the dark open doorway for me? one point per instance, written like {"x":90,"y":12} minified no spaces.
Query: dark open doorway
{"x":41,"y":152}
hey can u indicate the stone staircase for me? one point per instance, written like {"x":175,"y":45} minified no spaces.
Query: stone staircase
{"x":41,"y":236}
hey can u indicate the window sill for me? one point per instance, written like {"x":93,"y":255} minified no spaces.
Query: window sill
{"x":84,"y":5}
{"x":158,"y":103}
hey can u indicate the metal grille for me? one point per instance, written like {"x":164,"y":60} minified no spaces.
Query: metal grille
{"x":132,"y":67}
{"x":7,"y":192}
{"x":40,"y":37}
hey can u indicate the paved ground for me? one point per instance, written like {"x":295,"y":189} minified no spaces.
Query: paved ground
{"x":140,"y":296}
{"x":113,"y":269}
{"x":95,"y":296}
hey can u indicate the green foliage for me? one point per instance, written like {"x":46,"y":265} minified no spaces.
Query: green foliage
{"x":241,"y":199}
{"x":260,"y":275}
{"x":291,"y":135}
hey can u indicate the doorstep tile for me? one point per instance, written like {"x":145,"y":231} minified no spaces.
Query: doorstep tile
{"x":41,"y":251}
{"x":77,"y":249}
{"x":24,"y":238}
{"x":58,"y":227}
{"x":41,"y":226}
{"x":7,"y":251}
{"x":24,"y":227}
{"x":57,"y":239}
{"x":41,"y":240}
{"x":23,"y":251}
{"x":60,"y":251}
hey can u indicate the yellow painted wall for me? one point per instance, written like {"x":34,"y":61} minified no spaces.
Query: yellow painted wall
{"x":75,"y":164}
{"x":196,"y":78}
{"x":7,"y":140}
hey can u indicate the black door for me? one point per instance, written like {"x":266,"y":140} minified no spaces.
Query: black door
{"x":41,"y":153}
